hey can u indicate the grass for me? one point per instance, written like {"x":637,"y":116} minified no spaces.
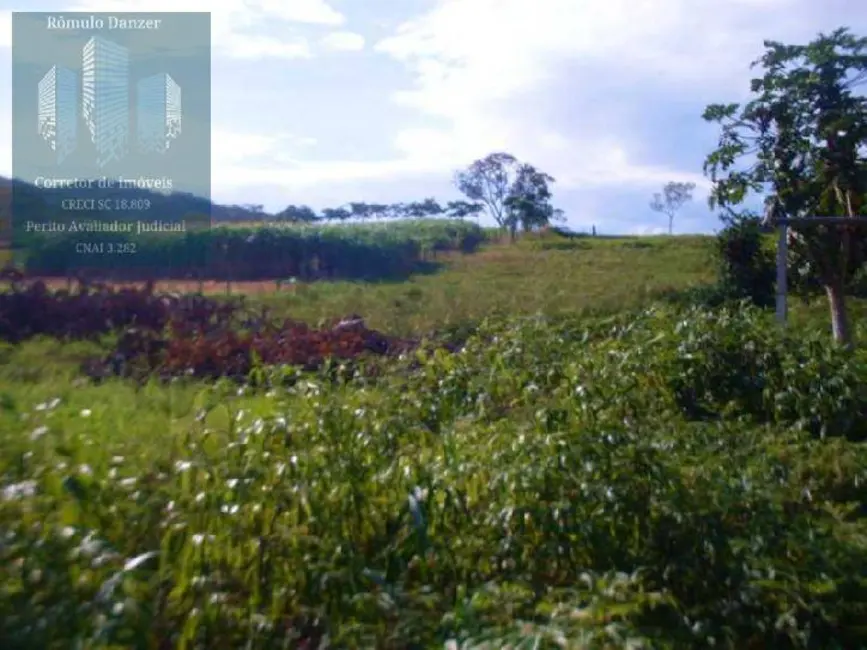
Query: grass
{"x":521,"y":280}
{"x":546,"y":275}
{"x":556,"y":484}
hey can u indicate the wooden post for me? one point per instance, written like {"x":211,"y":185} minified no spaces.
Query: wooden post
{"x":782,"y":264}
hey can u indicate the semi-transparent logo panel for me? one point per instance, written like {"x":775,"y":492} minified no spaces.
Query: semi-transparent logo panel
{"x":111,"y":139}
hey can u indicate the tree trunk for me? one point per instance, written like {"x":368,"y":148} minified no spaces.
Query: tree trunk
{"x":671,"y":224}
{"x":839,"y":318}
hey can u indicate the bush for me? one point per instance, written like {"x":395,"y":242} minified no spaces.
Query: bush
{"x":735,"y":362}
{"x":747,"y":269}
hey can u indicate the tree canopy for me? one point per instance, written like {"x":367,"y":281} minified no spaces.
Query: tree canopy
{"x":514,"y":193}
{"x":800,"y":141}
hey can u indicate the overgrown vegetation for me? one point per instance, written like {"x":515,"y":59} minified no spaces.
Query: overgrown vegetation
{"x":666,"y":478}
{"x":745,"y":266}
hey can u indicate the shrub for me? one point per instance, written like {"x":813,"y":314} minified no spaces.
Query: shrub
{"x":747,"y":267}
{"x":735,"y":362}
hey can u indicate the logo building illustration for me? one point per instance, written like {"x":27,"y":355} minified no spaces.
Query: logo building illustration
{"x":58,"y":110}
{"x":158,"y":113}
{"x":105,"y":105}
{"x":105,"y":98}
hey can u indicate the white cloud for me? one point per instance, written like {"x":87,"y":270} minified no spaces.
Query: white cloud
{"x":299,"y":174}
{"x":343,"y":41}
{"x":314,"y":12}
{"x":472,"y":59}
{"x":243,"y":12}
{"x":5,"y":29}
{"x":291,"y":173}
{"x":234,"y":23}
{"x":249,"y":159}
{"x":231,"y":148}
{"x":252,"y":159}
{"x":242,"y":46}
{"x":493,"y":48}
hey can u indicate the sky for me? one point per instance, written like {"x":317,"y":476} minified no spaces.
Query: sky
{"x":323,"y":102}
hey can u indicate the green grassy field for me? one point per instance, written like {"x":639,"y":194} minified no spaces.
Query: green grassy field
{"x":594,"y":469}
{"x":537,"y":275}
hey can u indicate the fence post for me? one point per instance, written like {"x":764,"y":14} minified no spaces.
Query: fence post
{"x":782,"y":264}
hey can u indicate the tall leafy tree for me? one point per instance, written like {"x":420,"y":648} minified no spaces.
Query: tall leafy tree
{"x":801,"y":141}
{"x":529,"y":201}
{"x":514,"y":193}
{"x":489,"y":181}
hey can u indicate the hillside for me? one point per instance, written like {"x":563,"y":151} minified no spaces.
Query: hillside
{"x":44,"y":203}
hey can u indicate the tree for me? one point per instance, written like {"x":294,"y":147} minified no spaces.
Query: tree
{"x":463,"y":209}
{"x":673,"y":197}
{"x":361,"y":211}
{"x":804,"y":134}
{"x":336,"y":214}
{"x":297,"y":213}
{"x":489,"y":181}
{"x":514,"y":193}
{"x":418,"y":209}
{"x":529,"y":200}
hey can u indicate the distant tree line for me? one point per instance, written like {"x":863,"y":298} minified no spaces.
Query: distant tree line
{"x":513,"y":193}
{"x":360,"y":211}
